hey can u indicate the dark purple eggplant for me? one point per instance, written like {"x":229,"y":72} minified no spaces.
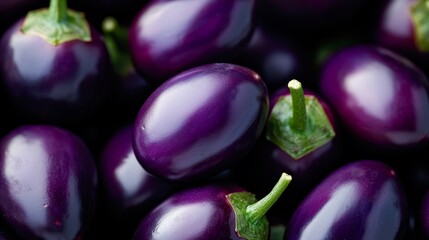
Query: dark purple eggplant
{"x":279,"y":149}
{"x":211,"y":211}
{"x":381,"y":98}
{"x":48,"y":183}
{"x":200,"y":122}
{"x":275,"y":58}
{"x":362,"y":200}
{"x":168,"y":37}
{"x":59,"y":78}
{"x":130,"y":190}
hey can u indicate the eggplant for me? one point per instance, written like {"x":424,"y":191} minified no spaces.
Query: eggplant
{"x":275,"y":152}
{"x":211,"y":211}
{"x":200,"y":122}
{"x":381,"y":98}
{"x":168,"y":37}
{"x":60,"y":78}
{"x":361,"y":200}
{"x":48,"y":183}
{"x":130,"y":190}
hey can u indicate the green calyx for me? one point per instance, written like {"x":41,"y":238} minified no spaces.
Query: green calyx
{"x":420,"y":17}
{"x":57,"y":24}
{"x":298,"y":124}
{"x":251,"y":222}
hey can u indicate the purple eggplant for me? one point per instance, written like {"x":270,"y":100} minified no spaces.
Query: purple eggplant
{"x":211,"y":211}
{"x":168,"y":37}
{"x":381,"y":98}
{"x":273,"y":153}
{"x":59,"y":78}
{"x":360,"y":200}
{"x":48,"y":183}
{"x":200,"y":122}
{"x":130,"y":190}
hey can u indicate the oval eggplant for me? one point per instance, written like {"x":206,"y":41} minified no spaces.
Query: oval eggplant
{"x":381,"y":98}
{"x":164,"y":41}
{"x":362,"y":200}
{"x":48,"y":183}
{"x":211,"y":211}
{"x":48,"y":82}
{"x":200,"y":122}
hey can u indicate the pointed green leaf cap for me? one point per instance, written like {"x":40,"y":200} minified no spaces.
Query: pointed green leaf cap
{"x":57,"y":24}
{"x":250,"y":220}
{"x":298,"y":124}
{"x":420,"y":19}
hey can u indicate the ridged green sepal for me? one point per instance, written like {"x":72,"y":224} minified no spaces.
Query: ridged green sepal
{"x":318,"y":130}
{"x":73,"y":27}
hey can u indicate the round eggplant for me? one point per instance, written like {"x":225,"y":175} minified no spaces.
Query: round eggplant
{"x":58,"y":78}
{"x":361,"y":200}
{"x":168,"y":37}
{"x":381,"y":98}
{"x":211,"y":211}
{"x":200,"y":122}
{"x":273,"y":155}
{"x":48,"y":183}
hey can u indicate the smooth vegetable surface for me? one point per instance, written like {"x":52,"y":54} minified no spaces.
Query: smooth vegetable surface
{"x":168,"y":37}
{"x":381,"y":97}
{"x":360,"y":200}
{"x":61,"y":84}
{"x":48,"y":183}
{"x":200,"y":122}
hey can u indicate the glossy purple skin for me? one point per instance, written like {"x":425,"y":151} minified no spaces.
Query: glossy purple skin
{"x":362,"y":200}
{"x":61,"y":84}
{"x":48,"y":183}
{"x":276,"y":59}
{"x":196,"y":213}
{"x":168,"y":37}
{"x":381,"y":98}
{"x":200,"y":122}
{"x":130,"y":190}
{"x":395,"y":27}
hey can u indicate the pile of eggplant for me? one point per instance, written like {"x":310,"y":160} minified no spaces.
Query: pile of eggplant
{"x":214,"y":119}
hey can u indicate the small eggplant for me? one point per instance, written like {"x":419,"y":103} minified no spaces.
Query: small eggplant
{"x":363,"y":200}
{"x":55,"y":66}
{"x":381,"y":98}
{"x":200,"y":122}
{"x":48,"y":183}
{"x":211,"y":212}
{"x":301,"y":138}
{"x":168,"y":37}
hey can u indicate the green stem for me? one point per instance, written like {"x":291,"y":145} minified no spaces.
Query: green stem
{"x":260,"y":208}
{"x":299,"y":112}
{"x":58,"y":10}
